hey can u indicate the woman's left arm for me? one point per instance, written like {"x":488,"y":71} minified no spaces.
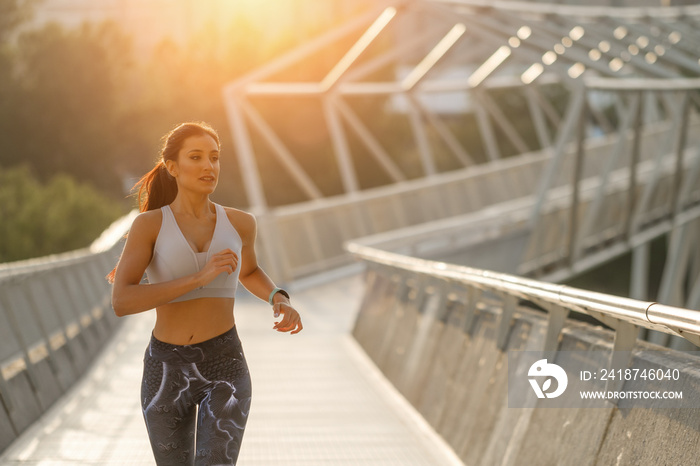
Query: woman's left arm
{"x":256,"y":280}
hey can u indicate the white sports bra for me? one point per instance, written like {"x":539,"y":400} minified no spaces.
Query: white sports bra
{"x":173,"y":257}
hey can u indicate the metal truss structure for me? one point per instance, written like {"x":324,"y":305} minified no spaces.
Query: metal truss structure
{"x":611,"y":99}
{"x":521,"y":47}
{"x":646,"y":188}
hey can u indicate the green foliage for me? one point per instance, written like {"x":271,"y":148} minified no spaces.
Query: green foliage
{"x":59,"y":216}
{"x":63,"y":111}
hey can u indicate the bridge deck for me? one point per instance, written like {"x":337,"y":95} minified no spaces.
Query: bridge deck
{"x":317,"y":399}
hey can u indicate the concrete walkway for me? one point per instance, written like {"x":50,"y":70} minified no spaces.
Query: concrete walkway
{"x":317,"y":399}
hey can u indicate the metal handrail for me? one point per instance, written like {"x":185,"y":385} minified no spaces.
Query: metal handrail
{"x":642,"y":84}
{"x":58,"y":313}
{"x":585,"y":11}
{"x":108,"y":240}
{"x":650,"y":315}
{"x":410,"y":186}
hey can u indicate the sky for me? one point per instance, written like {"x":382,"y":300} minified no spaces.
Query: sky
{"x":148,"y":21}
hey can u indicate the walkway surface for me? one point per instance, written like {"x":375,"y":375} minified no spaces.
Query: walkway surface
{"x":317,"y":398}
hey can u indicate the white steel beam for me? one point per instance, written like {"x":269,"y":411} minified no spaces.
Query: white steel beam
{"x":670,"y":291}
{"x":689,"y":184}
{"x":283,"y":89}
{"x":489,"y":66}
{"x":538,"y":118}
{"x":358,"y":48}
{"x":340,"y":146}
{"x":246,"y":157}
{"x":429,"y":61}
{"x":679,"y":143}
{"x":577,"y":175}
{"x":639,"y":272}
{"x":305,"y":50}
{"x":502,"y":121}
{"x":589,"y":12}
{"x":548,"y":38}
{"x":397,"y":51}
{"x":549,"y":111}
{"x":421,"y":137}
{"x":664,"y":148}
{"x":441,"y":86}
{"x":366,"y":137}
{"x":618,"y":51}
{"x":370,"y":88}
{"x":450,"y":140}
{"x":571,"y":117}
{"x":652,"y":111}
{"x":593,"y":212}
{"x":488,"y":137}
{"x":693,"y":300}
{"x":283,"y":155}
{"x":634,"y":162}
{"x":670,"y":55}
{"x":599,"y":116}
{"x":672,"y":30}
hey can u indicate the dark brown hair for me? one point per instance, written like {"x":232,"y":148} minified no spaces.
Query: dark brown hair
{"x":158,"y":188}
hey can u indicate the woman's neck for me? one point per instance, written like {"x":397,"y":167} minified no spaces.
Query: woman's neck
{"x":195,"y":205}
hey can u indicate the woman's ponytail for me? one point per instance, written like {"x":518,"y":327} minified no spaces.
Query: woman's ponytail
{"x":156,"y":188}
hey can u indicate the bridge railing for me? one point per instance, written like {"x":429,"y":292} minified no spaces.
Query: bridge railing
{"x":625,"y":315}
{"x":445,"y":336}
{"x":307,"y":238}
{"x":55,"y":314}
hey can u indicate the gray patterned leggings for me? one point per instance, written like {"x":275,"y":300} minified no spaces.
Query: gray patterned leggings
{"x":212,"y":375}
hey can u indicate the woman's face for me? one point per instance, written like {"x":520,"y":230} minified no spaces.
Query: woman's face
{"x":197,"y":166}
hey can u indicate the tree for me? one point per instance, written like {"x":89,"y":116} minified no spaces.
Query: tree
{"x":40,"y":219}
{"x":63,"y":113}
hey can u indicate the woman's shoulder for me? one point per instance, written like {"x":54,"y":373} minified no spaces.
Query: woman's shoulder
{"x":244,"y":222}
{"x":147,"y":223}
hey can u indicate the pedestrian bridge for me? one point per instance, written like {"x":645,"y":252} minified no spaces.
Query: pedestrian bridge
{"x":423,"y":299}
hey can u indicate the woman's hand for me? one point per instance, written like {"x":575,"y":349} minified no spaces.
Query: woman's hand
{"x":223,"y":261}
{"x":291,"y":320}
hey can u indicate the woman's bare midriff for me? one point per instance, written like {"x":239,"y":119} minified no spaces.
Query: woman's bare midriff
{"x":193,"y":321}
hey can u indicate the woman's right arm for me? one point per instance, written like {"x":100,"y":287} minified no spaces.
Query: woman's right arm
{"x":129,"y":296}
